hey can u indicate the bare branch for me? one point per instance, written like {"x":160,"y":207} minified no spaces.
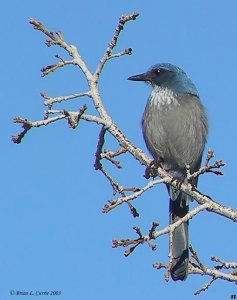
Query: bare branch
{"x":119,"y":201}
{"x":224,"y":264}
{"x":200,"y":269}
{"x":73,"y":118}
{"x":213,"y":273}
{"x":109,"y":155}
{"x":51,"y":68}
{"x":205,"y":287}
{"x":58,"y":39}
{"x":100,"y":145}
{"x":117,"y":188}
{"x":39,"y":26}
{"x":108,"y":53}
{"x":153,"y":234}
{"x":207,"y":168}
{"x":124,"y":52}
{"x":50,"y":100}
{"x":139,"y":241}
{"x":27,"y":125}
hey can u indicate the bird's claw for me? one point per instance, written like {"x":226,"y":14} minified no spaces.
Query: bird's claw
{"x":177,"y":181}
{"x":151,"y":170}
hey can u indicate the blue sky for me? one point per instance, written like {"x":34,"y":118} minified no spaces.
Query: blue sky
{"x":53,"y":234}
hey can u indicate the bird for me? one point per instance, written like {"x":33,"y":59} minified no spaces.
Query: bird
{"x":175,"y":128}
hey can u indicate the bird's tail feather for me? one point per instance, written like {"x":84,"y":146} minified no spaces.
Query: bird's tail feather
{"x":179,"y":205}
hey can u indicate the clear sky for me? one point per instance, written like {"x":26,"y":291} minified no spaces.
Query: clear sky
{"x":53,"y":234}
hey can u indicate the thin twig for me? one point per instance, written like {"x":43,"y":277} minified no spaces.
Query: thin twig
{"x":100,"y":145}
{"x":51,"y":68}
{"x":117,"y":188}
{"x":27,"y":124}
{"x":139,"y":241}
{"x":50,"y":100}
{"x":119,"y":201}
{"x":108,"y":53}
{"x":205,"y":287}
{"x":201,"y":269}
{"x":73,"y":119}
{"x":153,"y":234}
{"x":197,"y":259}
{"x":124,"y":52}
{"x":109,"y":155}
{"x":207,"y":168}
{"x":98,"y":165}
{"x":58,"y":39}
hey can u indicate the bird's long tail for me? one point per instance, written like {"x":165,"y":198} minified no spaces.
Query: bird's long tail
{"x":179,"y":205}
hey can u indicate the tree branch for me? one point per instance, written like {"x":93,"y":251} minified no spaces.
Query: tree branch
{"x":197,"y":267}
{"x":50,"y":100}
{"x":102,"y":118}
{"x":112,"y":44}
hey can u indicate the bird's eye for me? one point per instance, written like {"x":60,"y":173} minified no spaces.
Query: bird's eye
{"x":159,"y":71}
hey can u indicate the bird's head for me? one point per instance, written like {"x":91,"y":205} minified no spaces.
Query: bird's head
{"x":167,"y":76}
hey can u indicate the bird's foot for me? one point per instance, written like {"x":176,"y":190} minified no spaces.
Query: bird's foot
{"x":178,"y":181}
{"x":151,"y":170}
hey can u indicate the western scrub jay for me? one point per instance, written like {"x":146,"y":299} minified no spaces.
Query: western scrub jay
{"x":174,"y":126}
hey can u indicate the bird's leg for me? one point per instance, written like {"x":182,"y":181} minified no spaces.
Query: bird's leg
{"x":151,"y":170}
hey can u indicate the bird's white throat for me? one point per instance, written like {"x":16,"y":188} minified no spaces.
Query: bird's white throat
{"x":163,"y":98}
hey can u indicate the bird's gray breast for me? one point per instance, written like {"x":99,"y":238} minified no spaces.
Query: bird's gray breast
{"x":174,"y":128}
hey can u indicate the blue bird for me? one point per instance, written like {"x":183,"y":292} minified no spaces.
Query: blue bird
{"x":175,"y":128}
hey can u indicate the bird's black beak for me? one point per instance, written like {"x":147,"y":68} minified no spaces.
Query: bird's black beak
{"x":139,"y":77}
